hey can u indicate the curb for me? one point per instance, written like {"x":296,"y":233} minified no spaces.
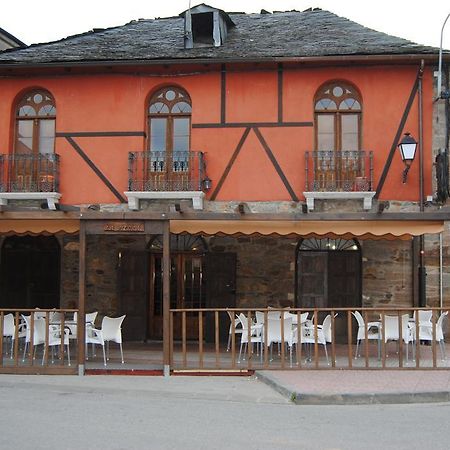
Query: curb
{"x":349,"y":398}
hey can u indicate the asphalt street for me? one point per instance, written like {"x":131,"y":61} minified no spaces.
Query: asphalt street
{"x":131,"y":412}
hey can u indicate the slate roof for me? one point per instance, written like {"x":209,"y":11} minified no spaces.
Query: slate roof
{"x":312,"y":33}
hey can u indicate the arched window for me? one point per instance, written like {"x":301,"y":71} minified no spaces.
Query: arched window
{"x":35,"y":123}
{"x":338,"y":117}
{"x":34,"y":162}
{"x":169,"y":131}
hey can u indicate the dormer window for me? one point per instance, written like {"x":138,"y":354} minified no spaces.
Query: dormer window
{"x":202,"y":28}
{"x":205,"y":26}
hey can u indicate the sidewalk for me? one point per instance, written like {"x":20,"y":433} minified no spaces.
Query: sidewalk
{"x":345,"y":387}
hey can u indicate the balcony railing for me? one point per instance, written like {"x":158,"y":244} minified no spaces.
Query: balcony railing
{"x":161,"y":172}
{"x":332,"y":171}
{"x":29,"y":173}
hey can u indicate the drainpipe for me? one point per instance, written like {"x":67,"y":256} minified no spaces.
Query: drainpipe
{"x":422,"y":270}
{"x":441,"y":296}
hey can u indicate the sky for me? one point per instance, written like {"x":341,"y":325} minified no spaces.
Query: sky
{"x":34,"y":21}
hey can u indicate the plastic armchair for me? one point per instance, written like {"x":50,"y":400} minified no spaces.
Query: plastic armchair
{"x":424,"y":316}
{"x":320,"y":333}
{"x":237,"y":327}
{"x":392,"y":332}
{"x":426,"y":332}
{"x":38,"y":333}
{"x":255,"y":334}
{"x":90,"y":323}
{"x":9,"y":329}
{"x":276,"y":335}
{"x":55,"y":339}
{"x":111,"y":331}
{"x":373,"y":332}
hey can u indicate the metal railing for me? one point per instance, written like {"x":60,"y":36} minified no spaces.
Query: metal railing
{"x":160,"y":171}
{"x":29,"y":173}
{"x":326,"y":339}
{"x":37,"y":341}
{"x":331,"y":171}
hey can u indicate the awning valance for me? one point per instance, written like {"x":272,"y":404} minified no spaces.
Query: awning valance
{"x":39,"y":226}
{"x":344,"y":229}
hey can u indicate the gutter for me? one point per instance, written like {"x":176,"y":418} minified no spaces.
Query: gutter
{"x":408,"y":58}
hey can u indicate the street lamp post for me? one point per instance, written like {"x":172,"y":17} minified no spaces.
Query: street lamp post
{"x":441,"y":94}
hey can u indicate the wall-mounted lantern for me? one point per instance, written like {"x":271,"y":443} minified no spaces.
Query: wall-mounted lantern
{"x":207,"y":183}
{"x":407,"y":146}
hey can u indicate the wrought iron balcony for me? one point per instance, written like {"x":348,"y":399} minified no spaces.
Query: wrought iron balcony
{"x":339,"y":171}
{"x":158,"y":171}
{"x":29,"y":173}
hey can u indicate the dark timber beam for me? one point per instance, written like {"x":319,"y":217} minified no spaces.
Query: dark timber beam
{"x":230,"y":164}
{"x":223,"y":93}
{"x":398,"y":133}
{"x":96,"y":170}
{"x":278,"y":168}
{"x":102,"y":134}
{"x":280,"y":93}
{"x":254,"y":124}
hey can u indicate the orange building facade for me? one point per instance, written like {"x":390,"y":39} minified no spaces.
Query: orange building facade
{"x":274,"y":179}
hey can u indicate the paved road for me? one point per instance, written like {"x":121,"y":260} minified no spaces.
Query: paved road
{"x":115,"y":412}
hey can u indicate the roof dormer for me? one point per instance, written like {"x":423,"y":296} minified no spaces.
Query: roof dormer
{"x":205,"y":26}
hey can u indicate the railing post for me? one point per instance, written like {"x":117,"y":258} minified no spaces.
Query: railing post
{"x":166,"y":299}
{"x":130,"y":171}
{"x":306,"y":171}
{"x":201,"y":167}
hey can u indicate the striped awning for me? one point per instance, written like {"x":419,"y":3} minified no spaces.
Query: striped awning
{"x":345,"y":229}
{"x":23,"y":226}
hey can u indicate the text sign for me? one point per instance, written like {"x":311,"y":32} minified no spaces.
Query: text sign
{"x":124,"y":227}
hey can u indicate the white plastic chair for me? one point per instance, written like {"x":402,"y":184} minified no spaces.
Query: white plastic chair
{"x":392,"y":332}
{"x":111,"y":331}
{"x":38,"y":333}
{"x":424,"y":316}
{"x":255,"y":335}
{"x":324,"y":335}
{"x":373,"y":332}
{"x":9,"y":329}
{"x":237,"y":327}
{"x":54,"y":339}
{"x":426,"y":332}
{"x":90,"y":323}
{"x":274,"y":334}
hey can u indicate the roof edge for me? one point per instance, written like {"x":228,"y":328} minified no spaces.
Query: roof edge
{"x":279,"y":59}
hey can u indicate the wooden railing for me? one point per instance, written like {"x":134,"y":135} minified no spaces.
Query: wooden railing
{"x":302,"y":346}
{"x":29,"y":173}
{"x":37,"y":341}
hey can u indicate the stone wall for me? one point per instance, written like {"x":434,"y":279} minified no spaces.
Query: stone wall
{"x":265,"y":269}
{"x":387,"y":273}
{"x":102,"y":256}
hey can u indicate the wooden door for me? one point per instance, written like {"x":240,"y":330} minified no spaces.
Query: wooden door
{"x":344,"y":279}
{"x":312,"y":279}
{"x":220,"y":291}
{"x":344,"y":284}
{"x":187,"y":291}
{"x":133,"y":294}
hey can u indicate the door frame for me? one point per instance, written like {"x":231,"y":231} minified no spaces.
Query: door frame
{"x":323,"y":247}
{"x":181,"y":246}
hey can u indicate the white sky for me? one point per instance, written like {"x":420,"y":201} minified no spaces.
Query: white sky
{"x":34,"y":21}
